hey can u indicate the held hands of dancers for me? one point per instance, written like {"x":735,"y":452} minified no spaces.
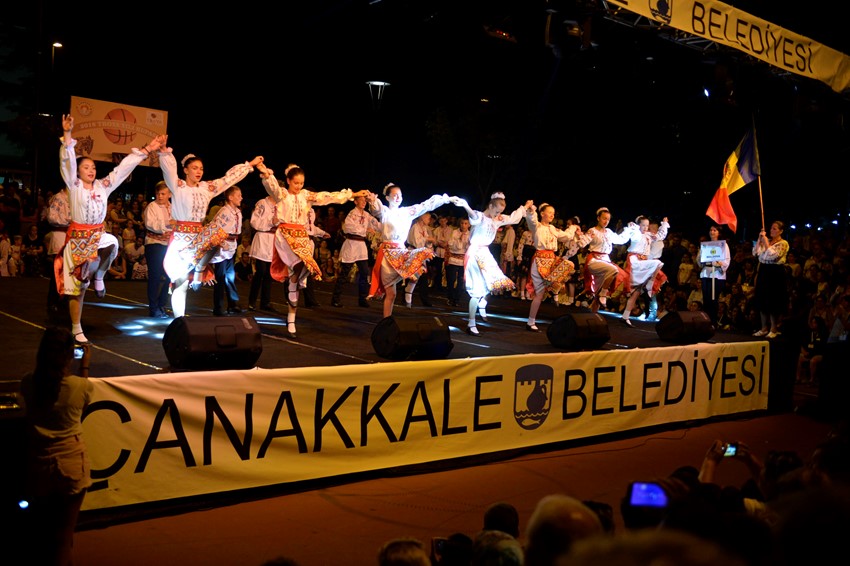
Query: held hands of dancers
{"x":265,"y":172}
{"x":256,"y":161}
{"x":156,"y":143}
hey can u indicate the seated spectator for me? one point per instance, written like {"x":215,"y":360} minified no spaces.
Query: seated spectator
{"x":118,"y":269}
{"x":33,"y":253}
{"x":496,"y":548}
{"x":605,"y":513}
{"x":556,"y":523}
{"x":244,"y":268}
{"x":5,"y":252}
{"x":403,"y":552}
{"x":503,"y":517}
{"x":140,"y":269}
{"x":128,"y":234}
{"x":841,"y":326}
{"x":650,"y":548}
{"x":134,"y":249}
{"x":15,"y":261}
{"x":811,"y":350}
{"x":456,"y":550}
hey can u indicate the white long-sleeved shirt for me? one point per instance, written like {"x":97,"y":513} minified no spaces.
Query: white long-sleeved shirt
{"x":265,"y":223}
{"x":89,"y":206}
{"x":396,"y":222}
{"x":157,"y":218}
{"x":190,"y":204}
{"x":294,"y":208}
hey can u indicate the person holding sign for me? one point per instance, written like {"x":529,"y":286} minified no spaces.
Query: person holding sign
{"x":714,"y":259}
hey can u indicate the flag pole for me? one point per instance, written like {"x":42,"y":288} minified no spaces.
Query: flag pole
{"x":761,"y":204}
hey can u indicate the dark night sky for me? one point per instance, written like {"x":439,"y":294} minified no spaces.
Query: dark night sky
{"x":287,"y":80}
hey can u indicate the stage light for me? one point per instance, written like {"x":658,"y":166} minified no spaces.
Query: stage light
{"x":23,"y":504}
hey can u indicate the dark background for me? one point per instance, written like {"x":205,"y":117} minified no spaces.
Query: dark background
{"x":625,"y":125}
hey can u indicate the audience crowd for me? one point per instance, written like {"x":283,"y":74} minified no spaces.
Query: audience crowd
{"x":794,"y":509}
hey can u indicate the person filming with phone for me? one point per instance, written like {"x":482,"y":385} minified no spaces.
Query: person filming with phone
{"x":764,"y":476}
{"x":58,"y":463}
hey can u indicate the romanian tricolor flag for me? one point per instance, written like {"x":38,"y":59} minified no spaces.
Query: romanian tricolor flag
{"x":741,"y":168}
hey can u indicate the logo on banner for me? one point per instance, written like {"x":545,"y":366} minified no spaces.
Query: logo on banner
{"x":662,"y":9}
{"x":533,"y":395}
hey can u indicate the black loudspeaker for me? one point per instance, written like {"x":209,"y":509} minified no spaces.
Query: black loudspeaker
{"x":685,"y":327}
{"x":212,"y":343}
{"x":579,"y":331}
{"x":412,"y":338}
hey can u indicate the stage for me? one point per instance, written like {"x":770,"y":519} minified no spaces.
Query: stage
{"x":128,"y":342}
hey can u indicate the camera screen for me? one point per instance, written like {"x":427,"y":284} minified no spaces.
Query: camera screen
{"x":648,"y":494}
{"x":78,"y":352}
{"x":731,"y":450}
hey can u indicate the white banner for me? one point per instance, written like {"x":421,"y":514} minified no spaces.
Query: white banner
{"x":107,"y":131}
{"x":160,"y":437}
{"x":763,"y":40}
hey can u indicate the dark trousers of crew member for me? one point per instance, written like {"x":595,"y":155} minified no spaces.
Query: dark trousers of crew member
{"x":261,"y":284}
{"x":422,"y":285}
{"x":454,"y":282}
{"x":435,"y":268}
{"x":225,"y":283}
{"x":158,"y":280}
{"x":362,"y":280}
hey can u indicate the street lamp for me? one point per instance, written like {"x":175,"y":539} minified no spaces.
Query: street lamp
{"x":56,"y":45}
{"x":376,"y":92}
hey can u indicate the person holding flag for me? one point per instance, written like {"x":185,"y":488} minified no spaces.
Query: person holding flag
{"x":771,"y":293}
{"x":741,"y":169}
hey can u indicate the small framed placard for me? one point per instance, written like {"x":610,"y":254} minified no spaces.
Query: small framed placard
{"x":711,"y":250}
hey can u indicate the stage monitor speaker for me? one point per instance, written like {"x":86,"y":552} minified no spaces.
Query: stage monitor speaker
{"x":685,"y":327}
{"x":579,"y":331}
{"x":412,"y":338}
{"x":212,"y":342}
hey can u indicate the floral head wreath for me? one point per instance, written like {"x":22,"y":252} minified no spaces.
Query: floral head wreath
{"x":543,"y":205}
{"x":187,"y":158}
{"x":289,"y":168}
{"x":601,"y":210}
{"x":388,"y":187}
{"x":496,"y":195}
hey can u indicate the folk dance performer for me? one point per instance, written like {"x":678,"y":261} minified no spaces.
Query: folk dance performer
{"x":481,"y":270}
{"x":59,"y":218}
{"x":356,"y":228}
{"x":293,"y":260}
{"x":190,"y":199}
{"x":216,"y":246}
{"x":601,"y":275}
{"x":394,"y":262}
{"x":89,"y":250}
{"x":548,"y":271}
{"x":158,"y":228}
{"x":264,"y":223}
{"x":644,"y":272}
{"x":458,"y":243}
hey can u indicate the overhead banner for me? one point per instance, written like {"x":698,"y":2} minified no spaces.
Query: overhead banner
{"x":159,"y":437}
{"x":107,"y":131}
{"x":763,"y":40}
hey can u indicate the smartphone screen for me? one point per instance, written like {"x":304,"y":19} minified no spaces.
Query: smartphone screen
{"x":78,"y":352}
{"x":731,"y":450}
{"x":647,"y":494}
